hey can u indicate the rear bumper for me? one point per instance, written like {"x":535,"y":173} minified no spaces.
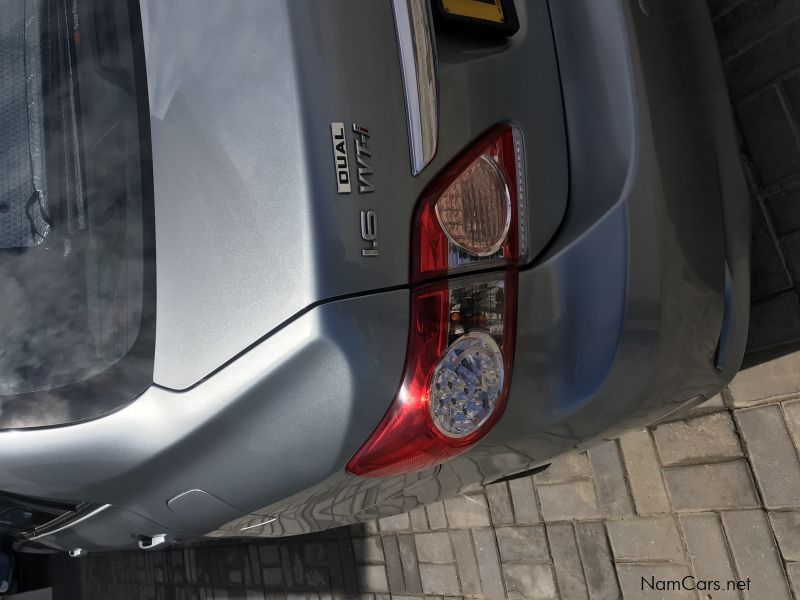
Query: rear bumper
{"x":642,"y":304}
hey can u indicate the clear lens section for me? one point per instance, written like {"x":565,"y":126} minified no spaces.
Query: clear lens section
{"x":467,"y":384}
{"x":455,"y":385}
{"x":475,"y":210}
{"x":468,"y":380}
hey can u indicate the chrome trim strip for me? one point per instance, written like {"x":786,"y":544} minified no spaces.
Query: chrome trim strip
{"x":263,"y":522}
{"x":72,"y":523}
{"x":417,"y":48}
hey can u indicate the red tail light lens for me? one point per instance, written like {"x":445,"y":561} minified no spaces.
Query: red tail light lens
{"x":461,"y":343}
{"x":474,"y":214}
{"x":460,"y":354}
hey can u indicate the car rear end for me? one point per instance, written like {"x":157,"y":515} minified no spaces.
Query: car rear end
{"x":389,"y":270}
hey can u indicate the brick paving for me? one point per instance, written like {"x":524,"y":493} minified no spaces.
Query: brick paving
{"x":759,"y":42}
{"x":714,"y":494}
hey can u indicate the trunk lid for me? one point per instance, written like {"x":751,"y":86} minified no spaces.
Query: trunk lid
{"x":250,"y":226}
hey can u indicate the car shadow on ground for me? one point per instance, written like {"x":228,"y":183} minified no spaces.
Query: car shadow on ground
{"x":242,"y":568}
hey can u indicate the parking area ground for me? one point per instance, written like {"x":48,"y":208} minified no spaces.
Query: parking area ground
{"x":714,"y":494}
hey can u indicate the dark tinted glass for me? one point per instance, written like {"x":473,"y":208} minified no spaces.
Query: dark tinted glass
{"x":76,"y":239}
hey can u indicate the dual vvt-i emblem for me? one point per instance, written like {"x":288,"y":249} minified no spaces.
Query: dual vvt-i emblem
{"x":364,"y":170}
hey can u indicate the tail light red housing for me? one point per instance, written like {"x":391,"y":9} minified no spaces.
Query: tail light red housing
{"x":436,"y":254}
{"x":461,"y":338}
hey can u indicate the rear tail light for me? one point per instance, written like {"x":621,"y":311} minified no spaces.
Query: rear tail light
{"x":473,"y":216}
{"x":458,"y":368}
{"x":461,"y":343}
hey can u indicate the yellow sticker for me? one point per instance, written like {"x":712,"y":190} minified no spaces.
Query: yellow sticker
{"x":485,"y":10}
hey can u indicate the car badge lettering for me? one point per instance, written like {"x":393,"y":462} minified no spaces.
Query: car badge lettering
{"x":369,"y":232}
{"x":363,"y":153}
{"x":339,"y":143}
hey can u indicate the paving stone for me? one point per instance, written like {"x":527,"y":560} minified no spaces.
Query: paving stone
{"x":314,"y":553}
{"x":705,"y":542}
{"x":419,"y":520}
{"x":571,"y":500}
{"x":643,"y":539}
{"x":467,"y":511}
{"x":567,"y":561}
{"x":656,"y":581}
{"x":713,"y":404}
{"x":702,"y":439}
{"x":522,"y":543}
{"x":791,"y":251}
{"x":770,"y":143}
{"x":437,"y":517}
{"x":793,"y":571}
{"x":530,"y":581}
{"x":786,"y":526}
{"x":335,"y":572}
{"x":713,"y":486}
{"x":408,"y":558}
{"x":523,"y":497}
{"x":644,"y":473}
{"x":792,"y":412}
{"x":773,"y":321}
{"x":755,"y":555}
{"x":772,"y":455}
{"x":566,"y":468}
{"x":466,"y":562}
{"x":316,"y":578}
{"x":372,"y":578}
{"x":394,"y":566}
{"x":499,"y":500}
{"x":717,"y":7}
{"x":775,"y":55}
{"x":773,"y":379}
{"x":783,"y":202}
{"x":400,"y":522}
{"x":748,"y":22}
{"x":598,"y":567}
{"x":367,"y":527}
{"x":368,"y":550}
{"x":434,"y":547}
{"x":488,"y":564}
{"x":439,"y":579}
{"x":609,"y":480}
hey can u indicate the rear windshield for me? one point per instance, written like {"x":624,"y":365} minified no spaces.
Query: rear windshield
{"x":76,"y":239}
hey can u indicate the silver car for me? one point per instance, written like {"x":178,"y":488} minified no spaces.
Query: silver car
{"x":271,"y":267}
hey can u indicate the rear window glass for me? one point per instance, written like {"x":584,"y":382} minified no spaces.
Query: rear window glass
{"x":76,"y":231}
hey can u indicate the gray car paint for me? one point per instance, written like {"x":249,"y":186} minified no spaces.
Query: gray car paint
{"x":250,"y":230}
{"x":617,"y":319}
{"x":316,"y":388}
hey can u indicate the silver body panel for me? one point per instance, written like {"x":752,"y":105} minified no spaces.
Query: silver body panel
{"x":244,"y":436}
{"x":250,"y":228}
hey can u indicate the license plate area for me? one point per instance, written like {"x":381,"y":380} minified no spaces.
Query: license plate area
{"x":497,"y":17}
